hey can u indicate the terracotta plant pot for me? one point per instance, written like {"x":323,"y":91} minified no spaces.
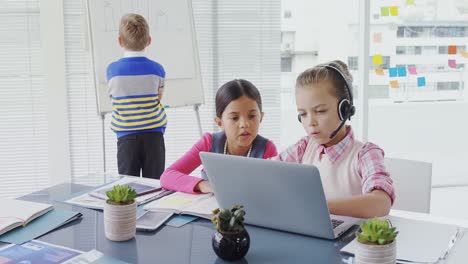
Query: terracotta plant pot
{"x":375,"y":254}
{"x":120,"y":221}
{"x":231,"y":245}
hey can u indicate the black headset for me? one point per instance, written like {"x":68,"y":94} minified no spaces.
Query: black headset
{"x":346,"y":107}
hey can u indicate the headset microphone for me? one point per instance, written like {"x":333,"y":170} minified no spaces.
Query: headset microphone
{"x":333,"y":134}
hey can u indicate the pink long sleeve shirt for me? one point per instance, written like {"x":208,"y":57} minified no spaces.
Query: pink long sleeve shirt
{"x":177,"y":177}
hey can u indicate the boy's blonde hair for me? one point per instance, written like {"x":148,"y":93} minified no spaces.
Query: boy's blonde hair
{"x":134,"y":31}
{"x":321,"y":73}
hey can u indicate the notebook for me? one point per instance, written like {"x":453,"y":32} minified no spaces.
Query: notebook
{"x":15,"y":213}
{"x":141,"y":188}
{"x":201,"y":205}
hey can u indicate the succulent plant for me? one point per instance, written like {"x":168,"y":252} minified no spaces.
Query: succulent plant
{"x":226,"y":220}
{"x":121,"y":194}
{"x":376,"y":231}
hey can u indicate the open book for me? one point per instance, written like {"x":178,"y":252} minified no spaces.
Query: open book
{"x":200,"y":205}
{"x":15,"y":213}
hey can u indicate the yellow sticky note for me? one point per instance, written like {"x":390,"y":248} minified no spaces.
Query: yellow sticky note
{"x":379,"y":71}
{"x":464,"y":53}
{"x":394,"y":10}
{"x":394,"y":84}
{"x":377,"y":59}
{"x":384,"y":11}
{"x":409,"y":2}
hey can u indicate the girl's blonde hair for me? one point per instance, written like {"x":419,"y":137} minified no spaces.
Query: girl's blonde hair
{"x":321,"y":73}
{"x":134,"y":31}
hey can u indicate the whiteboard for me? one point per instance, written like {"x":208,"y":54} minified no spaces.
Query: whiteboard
{"x":173,"y":45}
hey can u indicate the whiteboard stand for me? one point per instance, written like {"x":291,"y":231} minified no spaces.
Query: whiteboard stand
{"x":103,"y":134}
{"x":197,"y":113}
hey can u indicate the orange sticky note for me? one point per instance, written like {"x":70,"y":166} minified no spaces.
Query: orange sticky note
{"x":452,"y":49}
{"x":394,"y":10}
{"x":377,"y":59}
{"x":394,"y":84}
{"x":377,"y":37}
{"x":464,"y":53}
{"x":379,"y":71}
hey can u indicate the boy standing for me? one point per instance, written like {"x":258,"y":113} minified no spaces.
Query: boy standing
{"x":135,"y":84}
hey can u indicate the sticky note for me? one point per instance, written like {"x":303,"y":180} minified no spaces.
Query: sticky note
{"x":394,"y":84}
{"x":421,"y":81}
{"x":452,"y":49}
{"x":384,"y":11}
{"x":402,"y":71}
{"x":409,"y":2}
{"x":393,"y":72}
{"x":377,"y":37}
{"x":394,"y":10}
{"x":452,"y":64}
{"x":377,"y":59}
{"x":412,"y":70}
{"x":379,"y":71}
{"x":464,"y":53}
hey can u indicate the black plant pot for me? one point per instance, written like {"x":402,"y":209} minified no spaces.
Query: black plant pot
{"x":231,"y":246}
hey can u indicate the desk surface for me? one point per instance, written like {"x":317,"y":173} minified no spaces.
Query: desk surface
{"x":192,"y":242}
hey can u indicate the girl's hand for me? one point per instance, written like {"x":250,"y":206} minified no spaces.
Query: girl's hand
{"x":204,"y":187}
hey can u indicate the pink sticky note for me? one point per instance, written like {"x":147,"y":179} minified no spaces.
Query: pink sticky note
{"x":412,"y":70}
{"x":452,"y":63}
{"x":377,"y":37}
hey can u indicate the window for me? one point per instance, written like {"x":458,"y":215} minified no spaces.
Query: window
{"x":23,"y":102}
{"x":286,"y":64}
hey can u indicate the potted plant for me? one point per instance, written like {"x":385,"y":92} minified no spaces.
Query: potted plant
{"x":230,"y":241}
{"x":120,"y":213}
{"x":376,"y":242}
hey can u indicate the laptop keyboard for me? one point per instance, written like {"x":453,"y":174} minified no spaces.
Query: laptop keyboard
{"x":336,"y":223}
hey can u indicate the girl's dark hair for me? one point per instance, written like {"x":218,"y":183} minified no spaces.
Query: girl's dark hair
{"x":233,"y":90}
{"x":320,"y":73}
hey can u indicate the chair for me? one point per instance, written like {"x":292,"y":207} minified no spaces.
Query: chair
{"x":412,"y":182}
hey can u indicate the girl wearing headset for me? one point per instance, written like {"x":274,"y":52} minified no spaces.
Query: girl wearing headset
{"x":353,"y":173}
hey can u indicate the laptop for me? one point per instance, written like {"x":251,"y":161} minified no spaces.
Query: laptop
{"x":277,"y":195}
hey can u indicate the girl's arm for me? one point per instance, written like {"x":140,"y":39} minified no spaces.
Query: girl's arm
{"x":270,"y":150}
{"x":177,"y":177}
{"x":375,"y":203}
{"x":377,"y":187}
{"x":294,"y":152}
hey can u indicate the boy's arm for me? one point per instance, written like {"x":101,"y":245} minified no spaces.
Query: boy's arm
{"x":160,"y":93}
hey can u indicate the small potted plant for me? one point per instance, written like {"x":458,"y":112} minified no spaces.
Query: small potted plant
{"x":376,"y":242}
{"x":230,"y":241}
{"x":120,"y":213}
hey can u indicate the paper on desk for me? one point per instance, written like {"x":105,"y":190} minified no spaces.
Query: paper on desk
{"x":417,"y":241}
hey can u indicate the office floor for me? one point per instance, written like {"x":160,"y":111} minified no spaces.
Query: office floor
{"x":450,"y":202}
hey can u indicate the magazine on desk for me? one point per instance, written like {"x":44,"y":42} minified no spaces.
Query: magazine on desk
{"x":201,"y":205}
{"x":149,"y":190}
{"x":15,"y":213}
{"x":36,"y":251}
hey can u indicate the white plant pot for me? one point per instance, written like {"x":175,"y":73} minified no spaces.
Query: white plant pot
{"x":120,"y":221}
{"x":375,"y":254}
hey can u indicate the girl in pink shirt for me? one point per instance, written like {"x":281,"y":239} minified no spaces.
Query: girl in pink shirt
{"x":353,"y":174}
{"x":238,"y":114}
